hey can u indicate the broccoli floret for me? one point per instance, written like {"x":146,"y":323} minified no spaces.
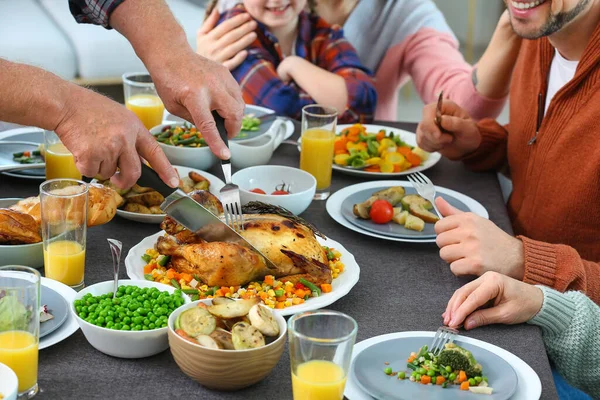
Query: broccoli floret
{"x":459,"y":359}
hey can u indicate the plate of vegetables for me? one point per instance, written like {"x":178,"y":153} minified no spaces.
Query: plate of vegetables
{"x":21,"y":156}
{"x":404,"y":368}
{"x":379,"y":151}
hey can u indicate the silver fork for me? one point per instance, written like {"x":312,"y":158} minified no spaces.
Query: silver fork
{"x":230,"y":193}
{"x":424,"y":187}
{"x":443,"y":336}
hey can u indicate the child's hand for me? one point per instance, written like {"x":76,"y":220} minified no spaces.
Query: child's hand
{"x":286,"y":68}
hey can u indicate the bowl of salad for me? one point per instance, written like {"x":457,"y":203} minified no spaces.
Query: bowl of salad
{"x":184,"y":145}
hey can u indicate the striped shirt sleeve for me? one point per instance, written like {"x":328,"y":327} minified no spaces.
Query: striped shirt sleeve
{"x":93,"y":11}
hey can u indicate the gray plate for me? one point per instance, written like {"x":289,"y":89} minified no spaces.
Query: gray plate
{"x":57,"y":306}
{"x":34,"y":137}
{"x":391,"y":229}
{"x":367,"y":370}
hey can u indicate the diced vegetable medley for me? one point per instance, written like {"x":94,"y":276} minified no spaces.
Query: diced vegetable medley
{"x":250,"y":123}
{"x":181,"y":135}
{"x":28,"y":157}
{"x":375,"y":152}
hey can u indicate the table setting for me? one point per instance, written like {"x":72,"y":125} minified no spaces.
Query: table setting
{"x":305,"y":267}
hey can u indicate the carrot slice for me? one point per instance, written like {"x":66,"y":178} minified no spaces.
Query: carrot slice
{"x":426,"y":379}
{"x":439,"y":380}
{"x":404,"y":150}
{"x":464,"y":385}
{"x":462,"y":376}
{"x":413,"y":159}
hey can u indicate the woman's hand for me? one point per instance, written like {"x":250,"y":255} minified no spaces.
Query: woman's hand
{"x":226,"y":43}
{"x":512,"y":302}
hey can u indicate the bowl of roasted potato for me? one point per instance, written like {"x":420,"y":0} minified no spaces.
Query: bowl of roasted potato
{"x":142,"y":204}
{"x":226,"y":344}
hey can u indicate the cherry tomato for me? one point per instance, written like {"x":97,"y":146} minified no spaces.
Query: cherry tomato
{"x":381,"y":212}
{"x":259,"y":191}
{"x":279,"y":193}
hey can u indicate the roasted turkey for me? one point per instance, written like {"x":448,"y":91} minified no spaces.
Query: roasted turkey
{"x":291,"y":245}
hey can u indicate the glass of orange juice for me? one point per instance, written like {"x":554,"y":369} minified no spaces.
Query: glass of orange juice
{"x":142,"y":99}
{"x":320,"y":352}
{"x":20,"y":325}
{"x":60,"y":162}
{"x":64,"y":205}
{"x":318,"y":137}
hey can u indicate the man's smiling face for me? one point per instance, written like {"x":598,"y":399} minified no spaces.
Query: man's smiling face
{"x":537,"y":18}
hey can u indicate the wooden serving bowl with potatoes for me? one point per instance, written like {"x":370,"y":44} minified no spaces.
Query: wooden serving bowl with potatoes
{"x":219,"y":368}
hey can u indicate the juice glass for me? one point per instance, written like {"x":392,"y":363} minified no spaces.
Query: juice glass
{"x":64,"y":204}
{"x":60,"y":163}
{"x":20,"y":325}
{"x":142,"y":99}
{"x":320,"y":351}
{"x":318,"y":137}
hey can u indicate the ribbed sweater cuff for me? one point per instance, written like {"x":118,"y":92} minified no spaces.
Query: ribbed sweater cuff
{"x":540,"y":262}
{"x":556,"y":313}
{"x":491,"y":152}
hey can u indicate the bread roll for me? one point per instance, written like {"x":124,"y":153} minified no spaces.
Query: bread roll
{"x":18,"y":228}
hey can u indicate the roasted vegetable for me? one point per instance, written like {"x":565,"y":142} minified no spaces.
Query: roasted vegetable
{"x":262,"y":319}
{"x":208,"y":342}
{"x":418,"y":210}
{"x":361,"y":210}
{"x":399,"y":216}
{"x":415,"y":199}
{"x":147,"y":199}
{"x":459,"y":359}
{"x":223,"y":339}
{"x":196,"y":321}
{"x":245,"y":336}
{"x":414,"y":223}
{"x":235,"y":309}
{"x":393,"y":194}
{"x":137,"y":208}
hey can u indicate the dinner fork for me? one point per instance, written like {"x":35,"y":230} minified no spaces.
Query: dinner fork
{"x":425,"y":188}
{"x":230,"y":193}
{"x":443,"y":336}
{"x":115,"y":248}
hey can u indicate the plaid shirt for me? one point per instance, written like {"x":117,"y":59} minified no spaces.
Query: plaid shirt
{"x":321,"y":44}
{"x":93,"y":11}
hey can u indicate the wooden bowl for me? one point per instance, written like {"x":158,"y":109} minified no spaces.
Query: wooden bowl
{"x":225,"y":369}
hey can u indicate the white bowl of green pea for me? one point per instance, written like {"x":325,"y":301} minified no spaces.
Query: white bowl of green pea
{"x":183,"y":145}
{"x":134,"y":324}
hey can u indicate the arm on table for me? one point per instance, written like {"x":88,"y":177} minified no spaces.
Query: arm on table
{"x":570,"y":325}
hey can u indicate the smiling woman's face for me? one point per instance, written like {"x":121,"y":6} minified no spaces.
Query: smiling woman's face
{"x":533,"y":19}
{"x":275,"y":13}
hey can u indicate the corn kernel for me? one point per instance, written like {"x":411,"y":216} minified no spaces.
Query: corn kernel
{"x":271,"y":293}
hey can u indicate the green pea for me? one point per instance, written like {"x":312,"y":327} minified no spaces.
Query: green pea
{"x":401,"y":375}
{"x":126,"y":320}
{"x":448,"y":368}
{"x":422,"y":371}
{"x":418,"y":378}
{"x":387,"y":370}
{"x":119,"y":326}
{"x":478,"y":379}
{"x":151,"y":325}
{"x":83,"y":315}
{"x":152,"y":318}
{"x":431,"y":373}
{"x":452,"y":377}
{"x":100,"y":320}
{"x":137,"y":320}
{"x":110,"y":324}
{"x":472,"y":382}
{"x":125,"y":328}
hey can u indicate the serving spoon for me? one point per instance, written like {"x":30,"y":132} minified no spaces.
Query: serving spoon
{"x":115,"y":249}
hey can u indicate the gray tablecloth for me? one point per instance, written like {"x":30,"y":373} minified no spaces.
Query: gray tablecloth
{"x":393,"y":276}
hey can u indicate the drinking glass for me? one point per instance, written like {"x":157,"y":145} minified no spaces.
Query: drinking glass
{"x":142,"y":99}
{"x":318,"y":137}
{"x":20,"y":325}
{"x":320,"y":350}
{"x":60,"y":162}
{"x":64,"y":205}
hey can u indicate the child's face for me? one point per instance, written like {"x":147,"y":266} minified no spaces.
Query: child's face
{"x":275,"y":13}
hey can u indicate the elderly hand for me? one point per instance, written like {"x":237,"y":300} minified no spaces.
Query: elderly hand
{"x":473,"y":245}
{"x":104,"y":135}
{"x":462,"y":135}
{"x":227,"y":43}
{"x":513,"y":302}
{"x":191,"y":86}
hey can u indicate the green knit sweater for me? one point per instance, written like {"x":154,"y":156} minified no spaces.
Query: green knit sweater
{"x":570,"y":325}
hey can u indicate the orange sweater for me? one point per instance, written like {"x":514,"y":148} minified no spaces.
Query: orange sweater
{"x":555,"y":204}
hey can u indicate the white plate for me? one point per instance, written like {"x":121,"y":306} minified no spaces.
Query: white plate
{"x":334,"y":206}
{"x":289,"y":125}
{"x":215,"y":186}
{"x":70,"y":326}
{"x":10,"y":134}
{"x":406,"y":136}
{"x":340,"y":286}
{"x":529,"y":388}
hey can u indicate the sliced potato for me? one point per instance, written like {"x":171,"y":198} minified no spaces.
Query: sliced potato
{"x":137,"y":208}
{"x":245,"y":336}
{"x":111,"y":185}
{"x":222,"y":300}
{"x":186,"y":184}
{"x":196,"y":177}
{"x":235,"y":309}
{"x":201,"y":185}
{"x":197,"y":321}
{"x":156,"y":210}
{"x":229,"y":323}
{"x":399,"y":215}
{"x":481,"y":389}
{"x":262,"y":319}
{"x":419,"y":211}
{"x":223,"y":339}
{"x":393,"y":194}
{"x":414,"y":223}
{"x":147,"y":199}
{"x":139,"y":189}
{"x":208,"y":342}
{"x":415,"y":199}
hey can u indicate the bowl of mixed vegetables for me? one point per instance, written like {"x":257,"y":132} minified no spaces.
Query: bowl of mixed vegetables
{"x":184,"y":145}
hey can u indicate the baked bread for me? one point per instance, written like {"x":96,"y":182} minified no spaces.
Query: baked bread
{"x":18,"y":228}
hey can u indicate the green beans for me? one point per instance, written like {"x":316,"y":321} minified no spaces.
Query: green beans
{"x":164,"y":260}
{"x":147,"y":258}
{"x":313,"y":288}
{"x":133,"y":308}
{"x":401,"y":375}
{"x":444,"y":385}
{"x":412,"y":366}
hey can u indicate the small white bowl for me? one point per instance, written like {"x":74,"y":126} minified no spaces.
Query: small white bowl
{"x":259,"y":150}
{"x":9,"y":383}
{"x":194,"y":157}
{"x":124,"y":344}
{"x":267,"y":177}
{"x":31,"y":255}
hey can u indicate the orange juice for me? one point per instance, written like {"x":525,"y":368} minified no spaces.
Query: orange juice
{"x":64,"y":261}
{"x":316,"y":156}
{"x":318,"y":380}
{"x":60,"y":163}
{"x":148,"y":107}
{"x":19,"y":351}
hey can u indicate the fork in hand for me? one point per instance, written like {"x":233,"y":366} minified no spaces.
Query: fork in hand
{"x":443,"y":336}
{"x":425,"y":188}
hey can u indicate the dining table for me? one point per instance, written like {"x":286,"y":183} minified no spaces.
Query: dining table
{"x":402,"y":287}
